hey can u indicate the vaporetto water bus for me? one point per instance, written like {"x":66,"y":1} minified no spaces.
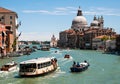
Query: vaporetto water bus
{"x":38,"y":66}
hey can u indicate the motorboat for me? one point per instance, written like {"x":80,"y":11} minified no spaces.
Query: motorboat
{"x":79,"y":67}
{"x":9,"y":67}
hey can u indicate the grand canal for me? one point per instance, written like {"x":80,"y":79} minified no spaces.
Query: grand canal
{"x":104,"y":68}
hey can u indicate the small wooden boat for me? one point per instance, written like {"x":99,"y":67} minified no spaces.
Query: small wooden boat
{"x":38,"y":66}
{"x":79,"y":67}
{"x":9,"y":67}
{"x":67,"y":56}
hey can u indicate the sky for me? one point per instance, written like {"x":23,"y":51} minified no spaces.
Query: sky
{"x":40,"y":19}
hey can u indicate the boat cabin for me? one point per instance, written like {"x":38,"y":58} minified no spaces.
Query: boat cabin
{"x":37,"y":66}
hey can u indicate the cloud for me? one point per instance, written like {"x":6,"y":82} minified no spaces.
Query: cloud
{"x":102,"y":11}
{"x":56,"y":11}
{"x":36,"y":11}
{"x":73,"y":10}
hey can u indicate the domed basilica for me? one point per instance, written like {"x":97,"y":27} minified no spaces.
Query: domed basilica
{"x":81,"y":35}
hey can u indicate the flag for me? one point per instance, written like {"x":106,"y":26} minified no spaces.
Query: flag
{"x":19,"y":23}
{"x":19,"y":34}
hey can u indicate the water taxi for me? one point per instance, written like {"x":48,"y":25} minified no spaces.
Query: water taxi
{"x":9,"y":67}
{"x":38,"y":66}
{"x":79,"y":67}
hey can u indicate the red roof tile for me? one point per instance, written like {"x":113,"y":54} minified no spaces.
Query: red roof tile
{"x":3,"y":10}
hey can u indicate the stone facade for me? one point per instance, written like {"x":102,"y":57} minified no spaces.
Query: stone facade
{"x":53,"y":42}
{"x":118,"y":43}
{"x":6,"y":38}
{"x":9,"y":17}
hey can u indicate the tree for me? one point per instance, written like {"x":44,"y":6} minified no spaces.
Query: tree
{"x":105,"y":38}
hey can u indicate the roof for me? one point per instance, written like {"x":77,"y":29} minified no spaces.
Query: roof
{"x":4,"y":10}
{"x":37,"y":60}
{"x":9,"y":64}
{"x":69,"y":31}
{"x":80,"y":19}
{"x":100,"y":37}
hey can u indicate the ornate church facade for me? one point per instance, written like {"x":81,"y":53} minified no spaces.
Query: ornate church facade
{"x":53,"y":42}
{"x":80,"y":35}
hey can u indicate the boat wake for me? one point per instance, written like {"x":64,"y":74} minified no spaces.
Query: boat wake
{"x":58,"y":73}
{"x":3,"y":74}
{"x":65,"y":61}
{"x":6,"y":73}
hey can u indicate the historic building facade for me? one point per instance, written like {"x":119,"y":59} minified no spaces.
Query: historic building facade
{"x":6,"y":38}
{"x":9,"y":18}
{"x":80,"y":35}
{"x":118,"y":43}
{"x":53,"y":42}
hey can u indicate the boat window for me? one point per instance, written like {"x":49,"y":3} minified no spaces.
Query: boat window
{"x":27,"y":65}
{"x":6,"y":65}
{"x":42,"y":65}
{"x":48,"y":63}
{"x":39,"y":66}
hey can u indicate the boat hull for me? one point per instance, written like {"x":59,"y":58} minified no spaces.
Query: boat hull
{"x":36,"y":74}
{"x":9,"y":69}
{"x":78,"y":69}
{"x":13,"y":68}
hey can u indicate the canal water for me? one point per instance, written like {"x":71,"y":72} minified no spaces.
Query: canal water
{"x":104,"y":68}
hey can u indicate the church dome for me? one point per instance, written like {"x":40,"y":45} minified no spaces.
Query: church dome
{"x":80,"y":19}
{"x":95,"y":23}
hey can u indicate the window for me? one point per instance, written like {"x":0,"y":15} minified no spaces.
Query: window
{"x":10,"y":22}
{"x":42,"y":65}
{"x":2,"y":17}
{"x":10,"y":17}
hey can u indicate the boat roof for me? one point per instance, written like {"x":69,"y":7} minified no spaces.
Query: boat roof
{"x":37,"y":60}
{"x":9,"y":64}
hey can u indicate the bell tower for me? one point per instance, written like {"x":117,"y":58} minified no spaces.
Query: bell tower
{"x":101,"y":22}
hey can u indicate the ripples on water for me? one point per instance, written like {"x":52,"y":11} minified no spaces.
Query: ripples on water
{"x":102,"y":66}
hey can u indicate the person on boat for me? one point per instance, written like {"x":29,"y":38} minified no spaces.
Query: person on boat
{"x":55,"y":59}
{"x":13,"y":62}
{"x":78,"y":65}
{"x":74,"y":64}
{"x":86,"y":62}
